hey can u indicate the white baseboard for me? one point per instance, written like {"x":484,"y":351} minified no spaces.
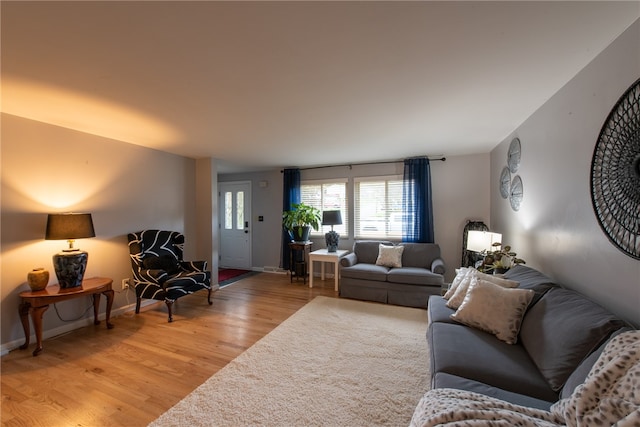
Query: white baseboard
{"x":5,"y":348}
{"x":271,"y":269}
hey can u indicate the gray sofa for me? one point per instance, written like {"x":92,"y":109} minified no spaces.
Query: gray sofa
{"x":561,"y":335}
{"x":420,"y":275}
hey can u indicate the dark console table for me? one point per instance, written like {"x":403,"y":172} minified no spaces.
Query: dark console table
{"x":299,"y":259}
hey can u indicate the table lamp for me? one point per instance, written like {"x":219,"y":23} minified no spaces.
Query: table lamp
{"x":332,"y":238}
{"x":71,"y":263}
{"x":482,"y":242}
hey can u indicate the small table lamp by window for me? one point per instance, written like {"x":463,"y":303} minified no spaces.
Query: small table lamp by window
{"x":482,"y":242}
{"x":478,"y":241}
{"x":332,"y":238}
{"x":71,"y":263}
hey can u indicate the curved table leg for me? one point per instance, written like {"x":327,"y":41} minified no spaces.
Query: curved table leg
{"x":36,"y":317}
{"x":109,"y":295}
{"x":24,"y":318}
{"x":96,"y":307}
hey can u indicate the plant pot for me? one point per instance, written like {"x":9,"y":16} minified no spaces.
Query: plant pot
{"x":498,"y":270}
{"x":301,"y":234}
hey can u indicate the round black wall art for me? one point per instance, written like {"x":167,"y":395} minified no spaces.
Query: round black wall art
{"x":615,"y":174}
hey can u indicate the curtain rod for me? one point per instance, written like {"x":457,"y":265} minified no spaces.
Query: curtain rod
{"x":351,"y":165}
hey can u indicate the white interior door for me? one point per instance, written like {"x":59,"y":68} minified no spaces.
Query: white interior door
{"x":235,"y":224}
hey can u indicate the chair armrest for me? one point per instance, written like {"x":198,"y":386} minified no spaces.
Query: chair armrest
{"x":153,"y":275}
{"x":437,"y":266}
{"x":348,"y":260}
{"x":194,"y":265}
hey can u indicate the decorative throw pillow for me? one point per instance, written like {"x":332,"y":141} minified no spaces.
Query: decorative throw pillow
{"x":390,"y":256}
{"x":166,"y":262}
{"x":564,"y":316}
{"x":460,"y":273}
{"x":461,"y":290}
{"x":459,"y":293}
{"x":494,"y":309}
{"x":505,"y":283}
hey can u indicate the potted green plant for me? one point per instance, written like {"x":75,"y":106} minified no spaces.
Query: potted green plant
{"x":300,"y":220}
{"x":501,"y":260}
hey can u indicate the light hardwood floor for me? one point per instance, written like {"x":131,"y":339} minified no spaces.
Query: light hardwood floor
{"x":129,"y":375}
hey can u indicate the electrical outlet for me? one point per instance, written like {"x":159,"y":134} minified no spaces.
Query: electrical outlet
{"x":125,"y":284}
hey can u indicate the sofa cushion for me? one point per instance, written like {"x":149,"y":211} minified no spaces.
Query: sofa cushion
{"x":366,"y":272}
{"x":367,"y":250}
{"x":414,"y":276}
{"x":578,"y":376}
{"x":437,"y":311}
{"x":561,"y":330}
{"x":389,"y":256}
{"x":443,"y":380}
{"x":494,"y":309}
{"x":477,"y":355}
{"x":528,"y":278}
{"x":420,"y":255}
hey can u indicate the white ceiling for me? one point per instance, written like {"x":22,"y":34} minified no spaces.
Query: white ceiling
{"x":273,"y":84}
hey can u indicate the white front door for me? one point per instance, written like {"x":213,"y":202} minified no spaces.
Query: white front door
{"x":235,"y":224}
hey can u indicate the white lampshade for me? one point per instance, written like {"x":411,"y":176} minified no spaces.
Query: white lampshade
{"x":478,"y":241}
{"x":496,"y":238}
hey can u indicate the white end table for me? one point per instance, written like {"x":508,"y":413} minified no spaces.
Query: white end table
{"x":325,"y":256}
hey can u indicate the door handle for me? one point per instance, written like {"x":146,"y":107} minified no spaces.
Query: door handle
{"x":246,"y":227}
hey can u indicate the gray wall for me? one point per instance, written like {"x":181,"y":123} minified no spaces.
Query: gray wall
{"x":51,"y":169}
{"x":460,"y":193}
{"x":125,"y":187}
{"x":266,"y":202}
{"x":556,"y":229}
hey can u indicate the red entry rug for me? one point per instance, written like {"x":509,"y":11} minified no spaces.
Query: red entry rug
{"x":229,"y":273}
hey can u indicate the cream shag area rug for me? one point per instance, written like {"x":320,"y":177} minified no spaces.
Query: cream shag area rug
{"x":335,"y":362}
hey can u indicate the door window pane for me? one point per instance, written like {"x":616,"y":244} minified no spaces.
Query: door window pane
{"x":240,"y":210}
{"x":228,"y":210}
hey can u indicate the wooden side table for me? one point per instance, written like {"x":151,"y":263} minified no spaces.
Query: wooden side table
{"x":38,"y":302}
{"x":299,"y":268}
{"x":324,"y":256}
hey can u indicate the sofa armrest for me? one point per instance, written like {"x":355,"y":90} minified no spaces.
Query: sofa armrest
{"x":438,"y":267}
{"x":348,"y":260}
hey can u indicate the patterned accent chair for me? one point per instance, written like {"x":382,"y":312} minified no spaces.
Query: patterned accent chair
{"x":158,"y":269}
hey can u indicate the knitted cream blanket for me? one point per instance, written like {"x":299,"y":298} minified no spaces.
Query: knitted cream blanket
{"x":610,"y":396}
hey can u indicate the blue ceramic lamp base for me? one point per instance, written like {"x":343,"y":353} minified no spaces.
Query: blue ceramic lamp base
{"x":332,"y":239}
{"x":70,"y":267}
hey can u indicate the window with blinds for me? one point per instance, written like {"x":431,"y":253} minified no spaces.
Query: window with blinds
{"x":327,"y":196}
{"x":378,"y":207}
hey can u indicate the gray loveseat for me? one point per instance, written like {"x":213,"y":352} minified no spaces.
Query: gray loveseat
{"x":420,"y":275}
{"x":561,"y":335}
